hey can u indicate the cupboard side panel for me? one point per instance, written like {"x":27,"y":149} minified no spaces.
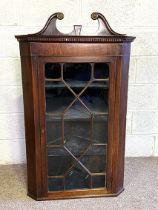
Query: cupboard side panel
{"x":120,"y":123}
{"x":29,"y":81}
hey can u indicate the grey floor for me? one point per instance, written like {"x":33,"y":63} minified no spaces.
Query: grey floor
{"x":141,"y":190}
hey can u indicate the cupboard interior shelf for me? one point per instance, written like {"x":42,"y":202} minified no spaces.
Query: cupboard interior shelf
{"x":77,"y":110}
{"x":52,"y":117}
{"x":76,"y":84}
{"x":58,"y":141}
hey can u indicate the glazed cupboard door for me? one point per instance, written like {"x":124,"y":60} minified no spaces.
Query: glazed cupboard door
{"x":75,"y":124}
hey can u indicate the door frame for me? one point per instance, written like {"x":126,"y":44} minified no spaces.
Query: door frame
{"x":111,"y":148}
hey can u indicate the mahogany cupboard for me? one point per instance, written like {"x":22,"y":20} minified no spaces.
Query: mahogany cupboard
{"x":75,"y":95}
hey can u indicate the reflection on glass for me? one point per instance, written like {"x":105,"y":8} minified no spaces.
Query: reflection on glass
{"x":77,"y":178}
{"x":59,"y":161}
{"x":95,"y":97}
{"x":77,"y":111}
{"x":58,"y":97}
{"x":76,"y":124}
{"x":77,"y":136}
{"x":53,"y":131}
{"x":100,"y":129}
{"x":95,"y":159}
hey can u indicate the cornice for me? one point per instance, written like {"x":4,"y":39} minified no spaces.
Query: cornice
{"x":50,"y":33}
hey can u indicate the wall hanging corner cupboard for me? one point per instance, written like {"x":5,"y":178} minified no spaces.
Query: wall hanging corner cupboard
{"x":75,"y":96}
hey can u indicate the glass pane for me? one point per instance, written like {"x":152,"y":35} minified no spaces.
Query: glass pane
{"x":77,"y":178}
{"x":76,"y":124}
{"x":77,"y":75}
{"x":101,"y":71}
{"x":76,"y":144}
{"x":52,"y":70}
{"x":95,"y":97}
{"x":100,"y":129}
{"x":95,"y":159}
{"x":77,"y":111}
{"x":59,"y":161}
{"x":58,"y":97}
{"x":77,"y":128}
{"x":55,"y":184}
{"x":98,"y":181}
{"x":53,"y":130}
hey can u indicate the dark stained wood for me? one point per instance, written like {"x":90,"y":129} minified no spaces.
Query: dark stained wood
{"x":32,"y":128}
{"x":50,"y":32}
{"x":72,"y":49}
{"x":50,"y":45}
{"x":120,"y":119}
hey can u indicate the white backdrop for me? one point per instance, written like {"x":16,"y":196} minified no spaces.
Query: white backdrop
{"x":134,"y":17}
